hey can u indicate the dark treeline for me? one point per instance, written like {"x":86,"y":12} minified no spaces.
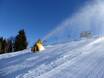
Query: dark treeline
{"x":13,"y":44}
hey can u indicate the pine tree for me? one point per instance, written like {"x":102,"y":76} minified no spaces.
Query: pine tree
{"x":2,"y":45}
{"x":1,"y":42}
{"x":9,"y":45}
{"x":20,"y":41}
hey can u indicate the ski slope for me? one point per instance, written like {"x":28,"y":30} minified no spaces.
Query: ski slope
{"x":76,"y":59}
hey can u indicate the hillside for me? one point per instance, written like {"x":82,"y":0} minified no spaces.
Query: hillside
{"x":76,"y":59}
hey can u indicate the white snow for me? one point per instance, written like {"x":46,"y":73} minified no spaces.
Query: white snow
{"x":41,"y":48}
{"x":76,"y":59}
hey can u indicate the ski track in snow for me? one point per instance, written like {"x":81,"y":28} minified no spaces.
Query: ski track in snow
{"x":76,"y":59}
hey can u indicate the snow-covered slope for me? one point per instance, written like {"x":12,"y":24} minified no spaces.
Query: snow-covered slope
{"x":76,"y":59}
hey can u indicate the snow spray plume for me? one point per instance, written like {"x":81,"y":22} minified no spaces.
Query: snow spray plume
{"x":88,"y":18}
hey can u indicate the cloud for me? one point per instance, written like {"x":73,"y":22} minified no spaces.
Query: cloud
{"x":89,"y":18}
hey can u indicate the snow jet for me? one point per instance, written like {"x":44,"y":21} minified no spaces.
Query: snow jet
{"x":89,"y":18}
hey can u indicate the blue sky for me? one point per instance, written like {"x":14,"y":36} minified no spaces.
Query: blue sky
{"x":37,"y":17}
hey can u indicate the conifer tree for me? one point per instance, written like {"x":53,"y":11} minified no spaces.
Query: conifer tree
{"x":20,"y":41}
{"x":2,"y":45}
{"x":1,"y":42}
{"x":9,"y":46}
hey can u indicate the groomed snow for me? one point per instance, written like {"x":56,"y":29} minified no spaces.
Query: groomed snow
{"x":76,"y":59}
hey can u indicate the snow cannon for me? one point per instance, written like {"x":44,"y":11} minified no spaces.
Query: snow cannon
{"x":38,"y":46}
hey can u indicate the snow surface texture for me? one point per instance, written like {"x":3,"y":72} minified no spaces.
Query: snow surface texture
{"x":76,"y":59}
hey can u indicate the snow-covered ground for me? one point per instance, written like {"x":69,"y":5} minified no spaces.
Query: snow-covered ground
{"x":76,"y":59}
